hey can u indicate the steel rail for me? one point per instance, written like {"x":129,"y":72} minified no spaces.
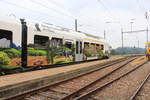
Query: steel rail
{"x":139,"y":88}
{"x":86,"y":95}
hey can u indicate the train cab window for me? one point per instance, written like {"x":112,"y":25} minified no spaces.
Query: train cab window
{"x":80,"y":47}
{"x":40,"y":40}
{"x":5,"y":39}
{"x":77,"y":47}
{"x":102,"y":47}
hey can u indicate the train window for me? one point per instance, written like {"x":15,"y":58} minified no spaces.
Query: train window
{"x":97,"y":45}
{"x":40,"y":40}
{"x":5,"y":39}
{"x":77,"y":47}
{"x":56,"y":42}
{"x":102,"y":47}
{"x":80,"y":47}
{"x":68,"y":45}
{"x":86,"y":45}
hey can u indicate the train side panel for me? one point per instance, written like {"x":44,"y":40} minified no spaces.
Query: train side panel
{"x":47,"y":44}
{"x":14,"y":26}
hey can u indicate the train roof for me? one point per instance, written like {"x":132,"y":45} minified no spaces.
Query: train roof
{"x":9,"y":19}
{"x":53,"y":28}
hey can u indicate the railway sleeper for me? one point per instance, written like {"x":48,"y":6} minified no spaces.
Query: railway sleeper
{"x":31,"y":98}
{"x":60,"y":91}
{"x":50,"y":96}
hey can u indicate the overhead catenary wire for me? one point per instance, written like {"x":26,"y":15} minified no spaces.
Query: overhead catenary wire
{"x":59,"y":20}
{"x":105,"y":7}
{"x":108,"y":10}
{"x":140,"y":5}
{"x":43,"y":5}
{"x":31,"y":10}
{"x":86,"y":23}
{"x":71,"y":9}
{"x":85,"y":20}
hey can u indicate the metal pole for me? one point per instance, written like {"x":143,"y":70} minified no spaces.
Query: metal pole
{"x":24,"y":44}
{"x":147,"y":34}
{"x":131,"y":26}
{"x":138,"y":44}
{"x":76,"y":25}
{"x":104,"y":34}
{"x":122,"y":36}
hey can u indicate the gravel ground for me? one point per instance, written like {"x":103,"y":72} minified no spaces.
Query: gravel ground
{"x":84,"y":80}
{"x":125,"y":87}
{"x":79,"y":82}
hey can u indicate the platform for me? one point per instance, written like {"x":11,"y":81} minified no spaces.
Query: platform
{"x":16,"y":83}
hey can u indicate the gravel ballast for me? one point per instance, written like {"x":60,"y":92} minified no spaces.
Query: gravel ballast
{"x":126,"y":86}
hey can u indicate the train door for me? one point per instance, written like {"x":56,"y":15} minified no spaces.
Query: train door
{"x":79,"y":50}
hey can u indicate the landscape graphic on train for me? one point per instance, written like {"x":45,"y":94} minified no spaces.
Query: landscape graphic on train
{"x":47,"y":44}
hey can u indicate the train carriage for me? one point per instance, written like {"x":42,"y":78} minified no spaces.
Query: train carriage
{"x":41,"y":36}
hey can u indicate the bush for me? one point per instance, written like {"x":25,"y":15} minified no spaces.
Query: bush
{"x":31,"y":51}
{"x":29,"y":48}
{"x":4,"y":59}
{"x":13,"y":53}
{"x":87,"y":52}
{"x":62,"y":62}
{"x":41,"y":53}
{"x":101,"y":54}
{"x":66,"y":49}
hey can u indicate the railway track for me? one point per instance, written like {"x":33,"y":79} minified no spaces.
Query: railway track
{"x":135,"y":94}
{"x":98,"y":88}
{"x":67,"y":89}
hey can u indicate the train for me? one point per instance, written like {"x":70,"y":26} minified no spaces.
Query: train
{"x":147,"y":50}
{"x":41,"y":37}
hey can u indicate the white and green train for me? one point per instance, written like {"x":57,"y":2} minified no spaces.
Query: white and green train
{"x":38,"y":34}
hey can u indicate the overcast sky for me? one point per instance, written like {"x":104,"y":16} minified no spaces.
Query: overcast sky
{"x":93,"y":16}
